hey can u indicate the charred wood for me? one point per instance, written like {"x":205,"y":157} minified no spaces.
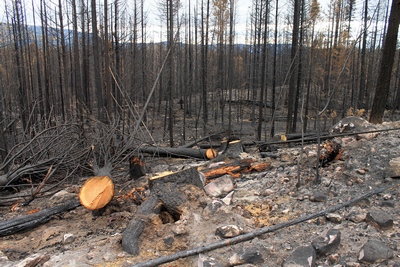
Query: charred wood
{"x":164,"y":194}
{"x":27,"y":222}
{"x":180,"y":152}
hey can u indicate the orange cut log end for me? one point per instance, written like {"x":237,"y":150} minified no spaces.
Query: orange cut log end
{"x":96,"y":192}
{"x":211,"y":153}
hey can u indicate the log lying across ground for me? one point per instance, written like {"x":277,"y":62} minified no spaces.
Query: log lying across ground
{"x":198,"y":153}
{"x":27,"y":222}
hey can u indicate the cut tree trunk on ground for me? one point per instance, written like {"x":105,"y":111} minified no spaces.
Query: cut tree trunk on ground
{"x":180,"y":152}
{"x":165,"y":194}
{"x":30,"y":221}
{"x":235,"y":168}
{"x":96,"y":192}
{"x":230,"y":150}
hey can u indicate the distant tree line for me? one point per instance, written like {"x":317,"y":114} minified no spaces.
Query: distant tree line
{"x":96,"y":59}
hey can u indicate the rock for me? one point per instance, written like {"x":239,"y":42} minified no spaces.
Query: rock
{"x":335,"y":218}
{"x":68,"y":238}
{"x":375,"y":251}
{"x":354,"y":124}
{"x":379,"y":219}
{"x":327,"y":242}
{"x":248,"y":255}
{"x":386,"y":203}
{"x":213,"y":207}
{"x":393,"y":170}
{"x":318,"y":196}
{"x":205,"y":261}
{"x":228,"y":231}
{"x":357,"y":217}
{"x":219,"y":187}
{"x":303,"y":256}
{"x":228,"y":198}
{"x":169,"y":240}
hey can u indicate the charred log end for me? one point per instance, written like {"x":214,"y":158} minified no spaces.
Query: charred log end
{"x":136,"y":168}
{"x":331,"y":150}
{"x":96,"y":192}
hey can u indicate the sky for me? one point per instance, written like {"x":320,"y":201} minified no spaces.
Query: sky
{"x":243,"y":9}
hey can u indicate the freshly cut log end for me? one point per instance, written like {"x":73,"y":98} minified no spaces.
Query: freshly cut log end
{"x":96,"y":192}
{"x":211,"y":153}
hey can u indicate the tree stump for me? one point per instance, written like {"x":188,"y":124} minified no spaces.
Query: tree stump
{"x":164,"y":194}
{"x":136,"y":168}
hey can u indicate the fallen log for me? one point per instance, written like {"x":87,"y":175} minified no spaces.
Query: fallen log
{"x":27,"y":222}
{"x":251,"y":235}
{"x":164,"y":194}
{"x":180,"y":152}
{"x":324,"y":137}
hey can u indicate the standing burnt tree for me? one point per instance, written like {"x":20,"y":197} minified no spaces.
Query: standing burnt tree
{"x":389,"y":50}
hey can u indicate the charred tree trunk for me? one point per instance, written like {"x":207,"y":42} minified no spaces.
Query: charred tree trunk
{"x":165,"y":193}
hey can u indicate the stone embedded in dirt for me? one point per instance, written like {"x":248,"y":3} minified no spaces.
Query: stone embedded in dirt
{"x":386,"y":203}
{"x":213,"y":207}
{"x":375,"y":251}
{"x":205,"y":261}
{"x":68,"y":238}
{"x":228,"y":198}
{"x":169,"y":240}
{"x":357,"y":216}
{"x":248,"y":255}
{"x":353,"y":124}
{"x":228,"y":231}
{"x":220,"y":187}
{"x":303,"y":256}
{"x":318,"y":196}
{"x":379,"y":219}
{"x":327,"y":242}
{"x":393,"y":170}
{"x":335,"y":218}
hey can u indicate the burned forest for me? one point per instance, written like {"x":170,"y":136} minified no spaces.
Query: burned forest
{"x":199,"y":133}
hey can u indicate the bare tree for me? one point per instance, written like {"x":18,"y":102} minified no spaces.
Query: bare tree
{"x":388,"y":55}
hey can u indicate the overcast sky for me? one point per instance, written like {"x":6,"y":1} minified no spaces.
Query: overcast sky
{"x":243,"y":9}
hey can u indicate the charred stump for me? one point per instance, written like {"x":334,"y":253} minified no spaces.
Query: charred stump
{"x":330,"y":150}
{"x":165,"y":194}
{"x":136,"y":168}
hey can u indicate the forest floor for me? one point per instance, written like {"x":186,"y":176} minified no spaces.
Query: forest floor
{"x":82,"y":238}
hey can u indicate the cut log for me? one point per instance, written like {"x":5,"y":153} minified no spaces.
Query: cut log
{"x":294,"y":136}
{"x":27,"y":222}
{"x":97,"y":192}
{"x":164,"y":194}
{"x":230,"y":150}
{"x":180,"y":152}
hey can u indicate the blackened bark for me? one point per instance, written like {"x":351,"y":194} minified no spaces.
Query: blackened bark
{"x":389,"y":50}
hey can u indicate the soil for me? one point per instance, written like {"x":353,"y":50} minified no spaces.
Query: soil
{"x":84,"y":238}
